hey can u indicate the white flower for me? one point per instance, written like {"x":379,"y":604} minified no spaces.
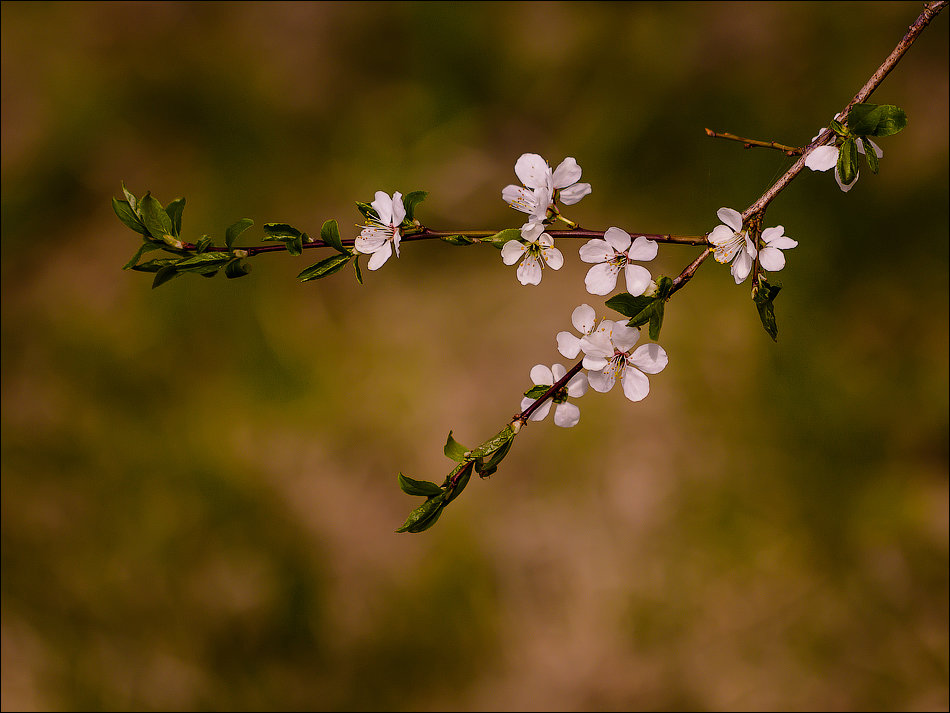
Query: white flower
{"x":565,"y":414}
{"x":608,"y":356}
{"x":379,"y":237}
{"x":583,"y":318}
{"x":771,"y":257}
{"x":731,"y":241}
{"x":538,"y":251}
{"x":824,"y":157}
{"x":542,"y":186}
{"x":613,"y":253}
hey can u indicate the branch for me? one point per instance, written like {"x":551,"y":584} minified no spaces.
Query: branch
{"x":752,"y":143}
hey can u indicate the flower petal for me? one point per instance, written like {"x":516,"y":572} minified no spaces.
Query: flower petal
{"x":594,"y":363}
{"x":720,"y":235}
{"x":369,"y":244}
{"x":624,"y":337}
{"x":529,"y":271}
{"x":741,"y":266}
{"x":638,"y":279}
{"x":597,"y":344}
{"x":635,"y":384}
{"x":380,"y":256}
{"x":567,"y":173}
{"x":602,"y":278}
{"x":383,"y":205}
{"x":822,"y":158}
{"x":730,"y":217}
{"x":649,"y":358}
{"x":846,"y":186}
{"x":553,"y":257}
{"x":541,"y":375}
{"x":618,"y":239}
{"x":577,"y":386}
{"x":601,"y":381}
{"x":583,"y":318}
{"x":399,"y":210}
{"x":771,"y":259}
{"x":531,"y":230}
{"x":542,"y":411}
{"x":642,"y":249}
{"x":518,"y":198}
{"x":566,"y":415}
{"x":557,"y":371}
{"x":596,"y":250}
{"x":532,"y":170}
{"x":568,"y":344}
{"x":783,"y":243}
{"x":573,"y":194}
{"x":512,"y":251}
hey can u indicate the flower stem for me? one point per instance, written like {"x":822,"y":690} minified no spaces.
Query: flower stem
{"x":752,"y":143}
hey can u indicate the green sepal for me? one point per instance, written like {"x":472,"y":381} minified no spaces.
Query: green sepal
{"x":279,"y":231}
{"x":128,"y":216}
{"x":174,"y":210}
{"x":325,"y":267}
{"x":154,"y":217}
{"x":330,"y":234}
{"x":143,"y":248}
{"x":237,"y":268}
{"x":463,"y":471}
{"x":203,"y":262}
{"x":454,"y":450}
{"x":458,"y":240}
{"x":410,"y":201}
{"x":536,"y":392}
{"x":499,"y":239}
{"x":164,"y":274}
{"x":203,"y":244}
{"x":876,"y":119}
{"x":493,"y":444}
{"x":424,"y":516}
{"x":410,"y":486}
{"x":848,"y":161}
{"x":486,"y":468}
{"x":356,"y":267}
{"x":764,"y":297}
{"x":155,"y":265}
{"x":235,"y":229}
{"x":656,"y":318}
{"x":869,"y":154}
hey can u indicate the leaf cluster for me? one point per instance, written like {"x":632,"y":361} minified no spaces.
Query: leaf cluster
{"x":644,"y":309}
{"x":862,"y":122}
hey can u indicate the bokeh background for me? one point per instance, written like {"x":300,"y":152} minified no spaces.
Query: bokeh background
{"x":199,"y":482}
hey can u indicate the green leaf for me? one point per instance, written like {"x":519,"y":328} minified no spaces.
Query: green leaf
{"x":174,"y":210}
{"x":499,"y":239}
{"x":164,"y":275}
{"x":848,"y":161}
{"x":332,"y":264}
{"x":764,"y":297}
{"x":454,"y":450}
{"x":330,"y":234}
{"x":869,"y":154}
{"x":143,"y":248}
{"x":838,"y":127}
{"x":203,"y":244}
{"x":876,"y":120}
{"x":130,"y":198}
{"x":463,"y":471}
{"x":356,"y":266}
{"x":411,"y":200}
{"x":235,"y":229}
{"x":418,"y":487}
{"x":664,"y":285}
{"x":369,"y":213}
{"x":458,"y":240}
{"x":294,"y":245}
{"x":424,"y":516}
{"x":237,"y":268}
{"x":628,"y":305}
{"x":486,"y":468}
{"x":127,"y":215}
{"x":536,"y":392}
{"x":155,"y":218}
{"x":656,"y":318}
{"x":155,"y":265}
{"x":493,"y":444}
{"x":203,"y":261}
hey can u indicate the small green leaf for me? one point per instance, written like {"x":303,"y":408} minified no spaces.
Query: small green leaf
{"x":764,"y":297}
{"x":174,"y":210}
{"x":463,"y":473}
{"x":454,"y":450}
{"x":332,"y":264}
{"x":155,"y":265}
{"x":330,"y":234}
{"x":838,"y":127}
{"x":411,"y":200}
{"x":848,"y":161}
{"x":237,"y":268}
{"x":143,"y":248}
{"x":418,"y":487}
{"x":203,"y":261}
{"x":203,"y":244}
{"x":424,"y":516}
{"x":656,"y":318}
{"x":235,"y":229}
{"x":664,"y":285}
{"x":493,"y":444}
{"x":356,"y":266}
{"x":294,"y":245}
{"x":499,"y":239}
{"x":369,"y":213}
{"x":130,"y":198}
{"x":876,"y":120}
{"x":127,"y":215}
{"x":869,"y":154}
{"x":628,"y":305}
{"x":458,"y":240}
{"x":155,"y":218}
{"x":486,"y":468}
{"x":164,"y":274}
{"x":536,"y":392}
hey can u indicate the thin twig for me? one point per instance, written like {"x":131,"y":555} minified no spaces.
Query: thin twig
{"x":752,"y":143}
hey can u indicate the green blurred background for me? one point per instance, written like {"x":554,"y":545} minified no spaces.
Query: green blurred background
{"x":199,"y":482}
